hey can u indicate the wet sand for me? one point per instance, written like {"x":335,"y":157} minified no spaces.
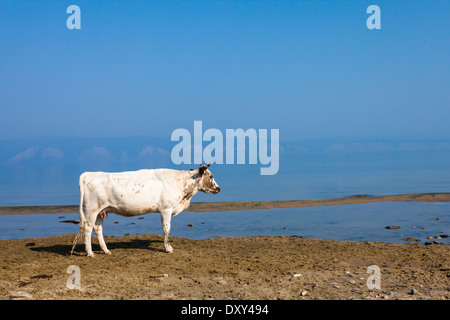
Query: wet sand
{"x":250,"y":205}
{"x":255,"y":268}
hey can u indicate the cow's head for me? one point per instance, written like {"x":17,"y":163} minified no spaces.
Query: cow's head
{"x":206,"y":181}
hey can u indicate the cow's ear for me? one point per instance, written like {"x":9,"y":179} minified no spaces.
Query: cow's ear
{"x":201,"y":170}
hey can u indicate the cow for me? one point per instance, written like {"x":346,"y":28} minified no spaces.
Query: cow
{"x":133,"y":193}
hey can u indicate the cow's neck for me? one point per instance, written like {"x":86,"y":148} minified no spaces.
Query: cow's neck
{"x":190,"y":185}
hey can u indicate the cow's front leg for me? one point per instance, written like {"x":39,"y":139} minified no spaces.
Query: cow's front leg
{"x":166,"y":216}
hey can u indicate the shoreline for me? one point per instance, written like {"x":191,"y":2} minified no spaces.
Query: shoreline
{"x":249,"y":205}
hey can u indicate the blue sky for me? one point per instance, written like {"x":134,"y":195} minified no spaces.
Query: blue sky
{"x":145,"y":68}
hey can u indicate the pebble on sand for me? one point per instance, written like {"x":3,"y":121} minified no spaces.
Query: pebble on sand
{"x":410,"y":239}
{"x":432,"y":242}
{"x":162,"y":275}
{"x":20,"y":295}
{"x":413,"y":292}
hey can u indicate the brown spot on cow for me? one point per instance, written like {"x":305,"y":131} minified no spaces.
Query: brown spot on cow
{"x":189,"y":191}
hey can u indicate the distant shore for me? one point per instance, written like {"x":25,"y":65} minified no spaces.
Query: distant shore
{"x":250,"y":205}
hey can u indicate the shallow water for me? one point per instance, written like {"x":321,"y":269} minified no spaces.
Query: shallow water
{"x":356,"y":222}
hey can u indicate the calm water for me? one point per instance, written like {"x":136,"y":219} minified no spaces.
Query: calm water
{"x":357,"y":222}
{"x":316,"y":176}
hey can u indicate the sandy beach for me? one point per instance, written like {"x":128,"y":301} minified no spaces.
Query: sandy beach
{"x":236,"y":268}
{"x":255,"y":268}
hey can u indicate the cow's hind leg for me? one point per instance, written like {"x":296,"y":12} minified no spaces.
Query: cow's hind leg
{"x":98,"y":229}
{"x":166,"y":216}
{"x":91,"y":216}
{"x":87,"y":238}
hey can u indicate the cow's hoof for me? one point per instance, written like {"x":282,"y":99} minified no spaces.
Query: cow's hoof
{"x":169,"y":250}
{"x":109,"y":252}
{"x":91,"y":255}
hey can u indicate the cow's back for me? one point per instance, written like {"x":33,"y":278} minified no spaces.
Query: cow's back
{"x":130,"y":192}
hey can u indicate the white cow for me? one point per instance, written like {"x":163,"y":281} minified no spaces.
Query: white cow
{"x":135,"y":193}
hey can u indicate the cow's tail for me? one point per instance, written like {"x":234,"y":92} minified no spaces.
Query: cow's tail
{"x":82,"y":222}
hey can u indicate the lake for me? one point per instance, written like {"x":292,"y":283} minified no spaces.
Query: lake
{"x":303,"y":175}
